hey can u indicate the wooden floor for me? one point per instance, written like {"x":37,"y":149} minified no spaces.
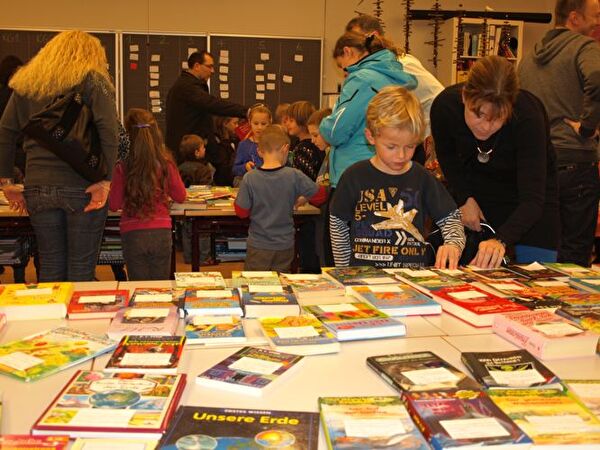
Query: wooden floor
{"x":104,"y":273}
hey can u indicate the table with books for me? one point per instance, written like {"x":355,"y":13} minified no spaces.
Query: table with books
{"x":356,"y":378}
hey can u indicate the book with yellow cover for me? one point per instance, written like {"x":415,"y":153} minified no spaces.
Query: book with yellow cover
{"x":300,"y":335}
{"x":35,"y":301}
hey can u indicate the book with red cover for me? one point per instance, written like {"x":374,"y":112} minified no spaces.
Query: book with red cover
{"x":28,"y":442}
{"x":97,"y":304}
{"x":147,"y":354}
{"x":97,"y":404}
{"x":474,"y":305}
{"x":545,"y":334}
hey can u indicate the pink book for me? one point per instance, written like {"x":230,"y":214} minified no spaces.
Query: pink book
{"x":144,"y":321}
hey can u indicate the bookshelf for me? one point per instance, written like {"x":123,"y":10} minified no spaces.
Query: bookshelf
{"x":458,"y":54}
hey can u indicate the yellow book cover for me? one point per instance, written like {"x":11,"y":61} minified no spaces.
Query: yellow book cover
{"x":35,"y":301}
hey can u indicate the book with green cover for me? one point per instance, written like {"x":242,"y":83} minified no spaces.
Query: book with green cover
{"x":46,"y":353}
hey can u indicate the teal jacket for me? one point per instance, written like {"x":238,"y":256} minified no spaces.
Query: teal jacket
{"x":344,"y":129}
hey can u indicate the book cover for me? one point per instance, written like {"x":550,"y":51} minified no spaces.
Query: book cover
{"x":35,"y":301}
{"x":213,"y":330}
{"x":397,"y":299}
{"x":28,"y":442}
{"x":581,"y":300}
{"x":509,"y":369}
{"x":356,"y":275}
{"x":536,"y":271}
{"x":429,"y":279}
{"x":199,"y":427}
{"x":552,"y":288}
{"x":301,"y":335}
{"x":460,"y":418}
{"x":364,"y":423}
{"x":357,"y":320}
{"x":420,"y":371}
{"x":248,"y":278}
{"x":573,"y":270}
{"x":587,"y":392}
{"x":282,"y":302}
{"x":98,"y":404}
{"x":250,"y":370}
{"x":591,"y":284}
{"x":97,"y":304}
{"x":212,"y":302}
{"x":114,"y":443}
{"x":549,"y":416}
{"x":144,"y":321}
{"x":524,"y":295}
{"x":586,"y":316}
{"x":309,"y":285}
{"x":48,"y":352}
{"x":200,"y":280}
{"x":545,"y":335}
{"x":157,"y":297}
{"x":500,"y":273}
{"x":147,"y":354}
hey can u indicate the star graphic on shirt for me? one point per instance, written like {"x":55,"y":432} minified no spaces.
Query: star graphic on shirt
{"x":397,"y":219}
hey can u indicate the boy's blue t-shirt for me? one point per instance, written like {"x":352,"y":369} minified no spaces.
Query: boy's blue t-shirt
{"x":270,"y":195}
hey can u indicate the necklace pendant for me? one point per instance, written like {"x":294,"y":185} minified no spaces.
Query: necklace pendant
{"x":483,"y":158}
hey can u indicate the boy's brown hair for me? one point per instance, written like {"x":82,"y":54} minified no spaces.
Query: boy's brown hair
{"x":188,"y":146}
{"x":300,"y":112}
{"x":317,"y":117}
{"x":273,"y":138}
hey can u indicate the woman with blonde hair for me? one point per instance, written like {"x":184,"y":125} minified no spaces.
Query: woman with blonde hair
{"x":66,"y":210}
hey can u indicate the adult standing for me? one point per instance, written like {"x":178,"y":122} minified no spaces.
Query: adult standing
{"x":190,"y":110}
{"x":563,"y":71}
{"x":492,"y":141}
{"x":67,"y":211}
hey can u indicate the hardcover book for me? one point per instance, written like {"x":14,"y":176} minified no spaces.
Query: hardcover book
{"x":300,"y":335}
{"x":282,"y":302}
{"x":587,"y":392}
{"x":46,"y":353}
{"x":114,"y":443}
{"x":199,"y":427}
{"x":147,"y":354}
{"x":545,"y":335}
{"x":358,"y":320}
{"x":537,"y":271}
{"x":28,"y":442}
{"x":552,"y":418}
{"x":396,"y":299}
{"x":365,"y":423}
{"x":124,"y":405}
{"x":157,"y":297}
{"x":430,"y":279}
{"x":214,"y":330}
{"x":213,"y":302}
{"x":250,"y":371}
{"x":248,"y":278}
{"x":357,"y":275}
{"x":308,"y":286}
{"x":144,"y":321}
{"x":35,"y":301}
{"x":461,"y":418}
{"x":509,"y":369}
{"x":97,"y":304}
{"x":420,"y":371}
{"x":474,"y":305}
{"x":200,"y":280}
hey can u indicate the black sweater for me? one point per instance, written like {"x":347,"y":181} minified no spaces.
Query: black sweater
{"x":517,"y":189}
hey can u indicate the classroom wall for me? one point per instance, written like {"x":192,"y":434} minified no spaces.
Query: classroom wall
{"x":310,"y":18}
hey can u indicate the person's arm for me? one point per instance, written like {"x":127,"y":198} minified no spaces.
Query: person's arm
{"x":242,"y":156}
{"x":176,"y":187}
{"x":307,"y":188}
{"x":201,"y":99}
{"x":243,"y":200}
{"x":453,"y":233}
{"x":10,"y":128}
{"x":340,"y":241}
{"x":117,"y":189}
{"x":588,"y":63}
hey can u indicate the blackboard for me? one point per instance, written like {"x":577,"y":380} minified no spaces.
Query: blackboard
{"x":151,"y":64}
{"x":251,"y":70}
{"x":26,"y":43}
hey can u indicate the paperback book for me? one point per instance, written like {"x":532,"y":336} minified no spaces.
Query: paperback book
{"x":157,"y":297}
{"x":524,"y":295}
{"x":573,"y":270}
{"x":591,"y":284}
{"x":249,"y":371}
{"x":509,"y":369}
{"x":358,"y":320}
{"x":124,"y":405}
{"x":420,"y":371}
{"x":396,"y":299}
{"x":365,"y":423}
{"x":553,"y":288}
{"x":357,"y":275}
{"x":213,"y":302}
{"x":587,"y":317}
{"x":28,"y":442}
{"x":97,"y":304}
{"x":254,"y":278}
{"x":300,"y":335}
{"x":537,"y":271}
{"x":114,"y":443}
{"x":200,"y":280}
{"x":587,"y":392}
{"x":35,"y":301}
{"x":309,"y":286}
{"x":214,"y":330}
{"x":144,"y":321}
{"x":199,"y":427}
{"x":48,"y":352}
{"x":500,"y":273}
{"x":429,"y":279}
{"x":147,"y":354}
{"x":545,"y":335}
{"x":278,"y":302}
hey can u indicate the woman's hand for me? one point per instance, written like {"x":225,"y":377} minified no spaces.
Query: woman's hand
{"x":447,"y":256}
{"x":99,"y":195}
{"x":249,"y":166}
{"x":14,"y":195}
{"x":489,"y":255}
{"x":471,"y":214}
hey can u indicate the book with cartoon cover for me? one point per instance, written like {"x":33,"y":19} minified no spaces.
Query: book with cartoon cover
{"x":97,"y":304}
{"x":157,"y":297}
{"x":301,"y":335}
{"x":35,"y":301}
{"x":147,"y":354}
{"x":397,"y":299}
{"x":214,"y":330}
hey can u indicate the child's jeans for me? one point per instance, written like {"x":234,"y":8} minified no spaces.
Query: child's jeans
{"x":147,"y":254}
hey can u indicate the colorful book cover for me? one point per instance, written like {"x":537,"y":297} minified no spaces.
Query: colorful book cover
{"x":536,"y":271}
{"x":420,"y":371}
{"x":212,"y":302}
{"x":397,"y":299}
{"x":250,"y":370}
{"x":582,"y":299}
{"x":552,"y":288}
{"x":357,"y":320}
{"x":573,"y":270}
{"x":43,"y":354}
{"x":311,"y":284}
{"x":114,"y":443}
{"x":509,"y":369}
{"x":157,"y":297}
{"x":281,"y":302}
{"x":356,"y":275}
{"x":28,"y":442}
{"x":303,"y":334}
{"x":144,"y":321}
{"x":550,"y":417}
{"x":589,"y":283}
{"x":429,"y":279}
{"x":98,"y":404}
{"x":199,"y":427}
{"x":254,"y":278}
{"x":588,"y":393}
{"x":524,"y":295}
{"x":500,"y":273}
{"x":587,"y":317}
{"x":200,"y":280}
{"x":35,"y":301}
{"x":97,"y":304}
{"x":147,"y":354}
{"x":365,"y":423}
{"x":460,"y":418}
{"x":212,"y":330}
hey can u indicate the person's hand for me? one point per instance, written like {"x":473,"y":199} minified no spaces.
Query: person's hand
{"x":471,"y":214}
{"x":489,"y":255}
{"x":576,"y":125}
{"x":249,"y":166}
{"x":98,"y":195}
{"x":300,"y":201}
{"x":447,"y":256}
{"x":14,"y":195}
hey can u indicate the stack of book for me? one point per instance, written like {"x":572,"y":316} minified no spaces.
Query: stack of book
{"x":269,"y":301}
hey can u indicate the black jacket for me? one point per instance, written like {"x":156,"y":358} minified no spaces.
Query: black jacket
{"x":190,"y":108}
